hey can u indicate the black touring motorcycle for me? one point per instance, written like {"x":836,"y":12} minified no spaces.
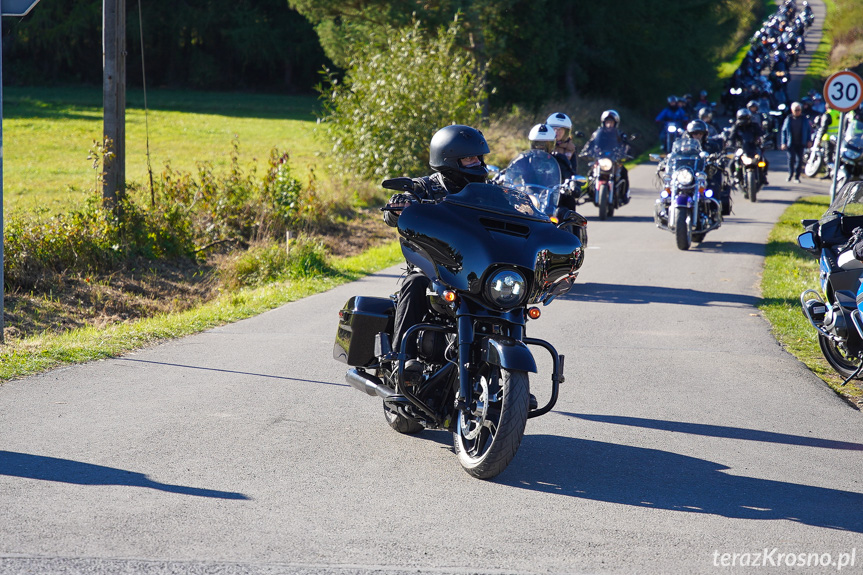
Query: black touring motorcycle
{"x":491,"y":255}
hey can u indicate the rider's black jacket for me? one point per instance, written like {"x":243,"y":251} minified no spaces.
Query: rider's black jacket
{"x":435,"y":187}
{"x":746,"y":134}
{"x":567,"y":170}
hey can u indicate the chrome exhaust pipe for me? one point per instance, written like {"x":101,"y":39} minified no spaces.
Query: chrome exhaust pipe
{"x":368,"y":383}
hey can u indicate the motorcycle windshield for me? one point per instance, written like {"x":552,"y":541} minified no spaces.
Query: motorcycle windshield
{"x":848,"y":200}
{"x":605,"y":144}
{"x":532,"y":168}
{"x":686,"y":147}
{"x":460,"y":239}
{"x":854,"y":134}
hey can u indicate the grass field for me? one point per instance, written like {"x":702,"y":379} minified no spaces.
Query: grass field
{"x":48,"y":133}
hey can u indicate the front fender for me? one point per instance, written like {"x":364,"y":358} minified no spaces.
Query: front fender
{"x":507,"y":353}
{"x":683,"y":201}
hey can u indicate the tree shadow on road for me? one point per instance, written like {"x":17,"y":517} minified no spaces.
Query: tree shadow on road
{"x":652,"y":478}
{"x":635,"y":294}
{"x":68,"y":471}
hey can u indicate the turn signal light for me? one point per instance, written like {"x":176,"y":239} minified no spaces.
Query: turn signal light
{"x":762,"y":164}
{"x":554,"y":219}
{"x":534,"y":313}
{"x":449,"y":296}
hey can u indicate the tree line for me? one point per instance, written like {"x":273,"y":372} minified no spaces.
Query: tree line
{"x":531,"y":51}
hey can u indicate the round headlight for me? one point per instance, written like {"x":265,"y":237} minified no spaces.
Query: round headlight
{"x":851,"y":154}
{"x":605,"y":164}
{"x":684,"y":177}
{"x":506,"y":289}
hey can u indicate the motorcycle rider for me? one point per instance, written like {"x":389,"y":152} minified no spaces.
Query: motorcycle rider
{"x":456,"y":154}
{"x":706,"y":116}
{"x":796,"y":134}
{"x":748,"y":134}
{"x":606,"y":136}
{"x":562,"y":126}
{"x":698,"y":130}
{"x":671,"y":113}
{"x":561,"y":142}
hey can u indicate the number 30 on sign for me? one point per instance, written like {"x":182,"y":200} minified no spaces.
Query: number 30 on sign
{"x":843,"y":91}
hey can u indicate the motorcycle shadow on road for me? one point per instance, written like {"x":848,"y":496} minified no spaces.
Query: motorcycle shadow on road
{"x":30,"y":466}
{"x":652,"y":478}
{"x":639,"y":294}
{"x":747,"y":248}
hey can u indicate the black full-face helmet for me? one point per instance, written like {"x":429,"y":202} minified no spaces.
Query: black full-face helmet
{"x":696,"y":129}
{"x":744,"y":116}
{"x":451,"y":144}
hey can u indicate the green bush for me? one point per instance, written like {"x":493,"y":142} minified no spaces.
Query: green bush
{"x":394,"y":97}
{"x":193,"y":214}
{"x":264,"y":264}
{"x":89,"y":240}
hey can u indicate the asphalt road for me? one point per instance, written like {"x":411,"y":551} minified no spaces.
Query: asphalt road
{"x":683,"y":435}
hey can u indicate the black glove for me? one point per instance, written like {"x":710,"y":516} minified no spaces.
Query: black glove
{"x":853,"y":241}
{"x":400,"y":199}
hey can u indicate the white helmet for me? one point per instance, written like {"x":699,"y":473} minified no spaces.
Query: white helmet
{"x":560,"y":120}
{"x":610,"y":114}
{"x":542,"y":137}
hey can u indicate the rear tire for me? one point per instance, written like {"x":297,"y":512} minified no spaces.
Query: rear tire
{"x":487,"y":437}
{"x":401,"y":423}
{"x":681,"y":229}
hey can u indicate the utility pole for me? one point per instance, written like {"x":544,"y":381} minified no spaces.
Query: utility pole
{"x":114,"y":101}
{"x":7,"y":8}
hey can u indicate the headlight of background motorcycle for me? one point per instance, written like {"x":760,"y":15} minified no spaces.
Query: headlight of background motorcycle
{"x":851,"y":154}
{"x":684,"y":177}
{"x":605,"y":164}
{"x":506,"y":289}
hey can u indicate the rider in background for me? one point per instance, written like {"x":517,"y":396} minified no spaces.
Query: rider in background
{"x":671,"y":113}
{"x":748,"y":135}
{"x":608,"y":136}
{"x":564,"y":148}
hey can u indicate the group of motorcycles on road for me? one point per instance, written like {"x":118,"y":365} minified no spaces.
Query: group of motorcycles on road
{"x":492,"y":250}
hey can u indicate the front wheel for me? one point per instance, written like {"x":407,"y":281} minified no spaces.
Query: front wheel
{"x":813,"y":164}
{"x":839,"y":358}
{"x":489,"y":431}
{"x":752,"y":185}
{"x":604,"y":204}
{"x":681,"y":229}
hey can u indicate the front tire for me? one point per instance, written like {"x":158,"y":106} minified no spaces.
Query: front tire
{"x":488,"y":434}
{"x":681,"y":229}
{"x":604,"y":207}
{"x":752,"y":185}
{"x":842,"y":362}
{"x":813,"y":164}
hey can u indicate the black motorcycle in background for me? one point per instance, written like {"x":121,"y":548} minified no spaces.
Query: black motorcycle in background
{"x":747,"y":168}
{"x":607,"y":188}
{"x":686,"y":206}
{"x":490,"y":256}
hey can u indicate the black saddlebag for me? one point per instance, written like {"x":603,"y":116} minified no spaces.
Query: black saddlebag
{"x":360,"y":320}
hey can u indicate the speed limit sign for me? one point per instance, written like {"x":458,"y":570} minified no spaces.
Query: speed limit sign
{"x":843,"y":91}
